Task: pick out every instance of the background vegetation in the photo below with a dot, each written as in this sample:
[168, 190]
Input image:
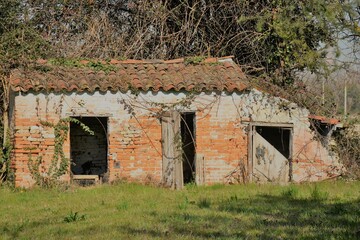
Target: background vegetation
[272, 37]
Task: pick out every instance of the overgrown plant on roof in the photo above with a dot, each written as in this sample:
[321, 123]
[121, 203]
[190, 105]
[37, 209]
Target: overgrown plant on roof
[95, 65]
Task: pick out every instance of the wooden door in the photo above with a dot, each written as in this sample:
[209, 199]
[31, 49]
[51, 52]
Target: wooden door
[269, 164]
[172, 172]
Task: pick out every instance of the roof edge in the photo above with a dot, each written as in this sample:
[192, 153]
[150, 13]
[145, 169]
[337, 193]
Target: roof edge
[114, 61]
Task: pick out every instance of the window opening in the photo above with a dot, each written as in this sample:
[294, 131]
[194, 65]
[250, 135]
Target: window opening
[278, 137]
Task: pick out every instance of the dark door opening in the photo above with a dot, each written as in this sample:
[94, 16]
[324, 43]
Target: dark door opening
[89, 152]
[187, 131]
[278, 137]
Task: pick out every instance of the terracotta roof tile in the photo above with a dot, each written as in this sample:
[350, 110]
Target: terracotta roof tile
[323, 119]
[211, 74]
[179, 60]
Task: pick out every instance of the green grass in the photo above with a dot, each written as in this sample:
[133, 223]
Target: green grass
[328, 210]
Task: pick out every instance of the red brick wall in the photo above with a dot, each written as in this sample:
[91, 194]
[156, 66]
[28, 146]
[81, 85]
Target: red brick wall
[136, 146]
[311, 160]
[134, 150]
[223, 145]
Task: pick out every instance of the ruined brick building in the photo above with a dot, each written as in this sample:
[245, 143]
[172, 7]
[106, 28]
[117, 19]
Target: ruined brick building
[171, 122]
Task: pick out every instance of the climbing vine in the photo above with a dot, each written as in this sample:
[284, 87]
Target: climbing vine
[83, 63]
[6, 173]
[59, 162]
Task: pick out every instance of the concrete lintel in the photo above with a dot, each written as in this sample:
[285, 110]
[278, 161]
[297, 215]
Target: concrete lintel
[71, 114]
[85, 177]
[271, 124]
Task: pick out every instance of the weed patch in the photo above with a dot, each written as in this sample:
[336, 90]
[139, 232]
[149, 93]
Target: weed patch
[184, 204]
[291, 192]
[15, 229]
[123, 206]
[74, 217]
[319, 195]
[204, 203]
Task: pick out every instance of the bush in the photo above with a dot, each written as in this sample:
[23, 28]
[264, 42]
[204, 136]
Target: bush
[348, 148]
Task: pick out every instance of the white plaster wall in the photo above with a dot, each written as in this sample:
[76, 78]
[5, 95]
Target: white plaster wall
[252, 106]
[239, 108]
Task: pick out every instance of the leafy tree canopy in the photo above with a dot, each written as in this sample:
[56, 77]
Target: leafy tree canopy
[275, 38]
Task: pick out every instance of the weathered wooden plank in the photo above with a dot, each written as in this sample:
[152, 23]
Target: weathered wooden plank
[269, 165]
[176, 144]
[200, 169]
[172, 164]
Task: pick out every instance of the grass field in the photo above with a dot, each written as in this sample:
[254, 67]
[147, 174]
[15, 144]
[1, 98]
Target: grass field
[328, 210]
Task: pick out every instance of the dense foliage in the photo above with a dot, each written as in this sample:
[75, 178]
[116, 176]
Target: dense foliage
[272, 37]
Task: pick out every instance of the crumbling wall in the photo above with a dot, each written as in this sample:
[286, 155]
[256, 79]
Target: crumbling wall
[134, 132]
[311, 160]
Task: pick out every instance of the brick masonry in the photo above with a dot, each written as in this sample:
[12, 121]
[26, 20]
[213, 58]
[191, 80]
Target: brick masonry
[134, 132]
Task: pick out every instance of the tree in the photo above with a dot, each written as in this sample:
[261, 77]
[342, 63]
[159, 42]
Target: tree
[272, 37]
[19, 44]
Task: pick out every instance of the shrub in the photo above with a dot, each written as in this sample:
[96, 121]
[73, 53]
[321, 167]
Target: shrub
[348, 148]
